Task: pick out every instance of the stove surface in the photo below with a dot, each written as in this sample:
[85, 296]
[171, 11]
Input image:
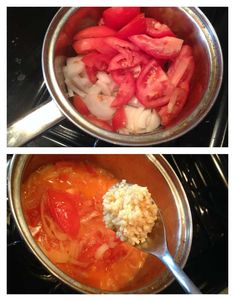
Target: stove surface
[26, 88]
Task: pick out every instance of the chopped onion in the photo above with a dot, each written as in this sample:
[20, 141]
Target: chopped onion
[89, 216]
[101, 250]
[100, 106]
[140, 120]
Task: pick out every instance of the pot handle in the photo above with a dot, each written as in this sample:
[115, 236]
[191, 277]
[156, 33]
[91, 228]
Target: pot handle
[33, 124]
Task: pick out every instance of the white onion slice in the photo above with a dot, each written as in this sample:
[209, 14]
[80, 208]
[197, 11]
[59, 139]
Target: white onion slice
[140, 120]
[101, 250]
[100, 106]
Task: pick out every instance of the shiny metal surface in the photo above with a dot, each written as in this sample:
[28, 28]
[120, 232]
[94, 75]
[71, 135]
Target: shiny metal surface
[175, 209]
[33, 124]
[156, 244]
[188, 23]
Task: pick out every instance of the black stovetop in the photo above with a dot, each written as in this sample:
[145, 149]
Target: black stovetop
[26, 28]
[204, 179]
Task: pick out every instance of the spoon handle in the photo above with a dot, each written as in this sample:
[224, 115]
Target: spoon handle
[179, 274]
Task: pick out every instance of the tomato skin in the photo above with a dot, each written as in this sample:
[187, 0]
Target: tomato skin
[80, 105]
[95, 62]
[163, 48]
[127, 59]
[153, 87]
[126, 91]
[100, 123]
[120, 45]
[119, 119]
[117, 17]
[181, 67]
[95, 32]
[177, 101]
[63, 210]
[119, 75]
[134, 27]
[156, 29]
[87, 45]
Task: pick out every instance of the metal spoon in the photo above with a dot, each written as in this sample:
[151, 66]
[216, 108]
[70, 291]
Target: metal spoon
[156, 244]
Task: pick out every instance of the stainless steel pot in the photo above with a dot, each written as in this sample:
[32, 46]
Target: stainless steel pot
[188, 23]
[163, 184]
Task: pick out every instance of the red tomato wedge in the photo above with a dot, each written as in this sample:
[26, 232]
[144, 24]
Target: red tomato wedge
[91, 72]
[153, 87]
[119, 119]
[94, 62]
[100, 123]
[119, 75]
[127, 59]
[134, 27]
[126, 91]
[177, 101]
[85, 46]
[64, 212]
[95, 32]
[181, 65]
[80, 105]
[117, 17]
[156, 29]
[120, 45]
[164, 48]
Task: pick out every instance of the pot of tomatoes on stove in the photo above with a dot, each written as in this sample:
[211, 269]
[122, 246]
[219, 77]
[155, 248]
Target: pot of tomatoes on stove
[128, 75]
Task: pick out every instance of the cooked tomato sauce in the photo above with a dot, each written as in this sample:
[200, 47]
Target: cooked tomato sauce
[62, 204]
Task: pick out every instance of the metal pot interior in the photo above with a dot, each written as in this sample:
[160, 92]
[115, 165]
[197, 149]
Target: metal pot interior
[188, 23]
[164, 187]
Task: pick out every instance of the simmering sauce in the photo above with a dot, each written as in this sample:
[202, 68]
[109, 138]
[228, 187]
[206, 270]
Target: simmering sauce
[62, 204]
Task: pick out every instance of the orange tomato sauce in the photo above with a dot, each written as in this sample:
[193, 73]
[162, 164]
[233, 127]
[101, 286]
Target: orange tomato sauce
[94, 255]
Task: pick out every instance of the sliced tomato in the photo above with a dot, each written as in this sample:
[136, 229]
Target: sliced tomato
[156, 29]
[117, 17]
[119, 119]
[80, 105]
[64, 212]
[94, 62]
[177, 101]
[98, 60]
[91, 72]
[120, 45]
[95, 32]
[119, 75]
[127, 59]
[114, 254]
[152, 85]
[100, 123]
[101, 21]
[164, 48]
[126, 91]
[87, 254]
[85, 46]
[134, 27]
[189, 72]
[180, 66]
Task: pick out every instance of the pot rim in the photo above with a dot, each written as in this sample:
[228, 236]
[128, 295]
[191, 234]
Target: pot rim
[15, 171]
[152, 138]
